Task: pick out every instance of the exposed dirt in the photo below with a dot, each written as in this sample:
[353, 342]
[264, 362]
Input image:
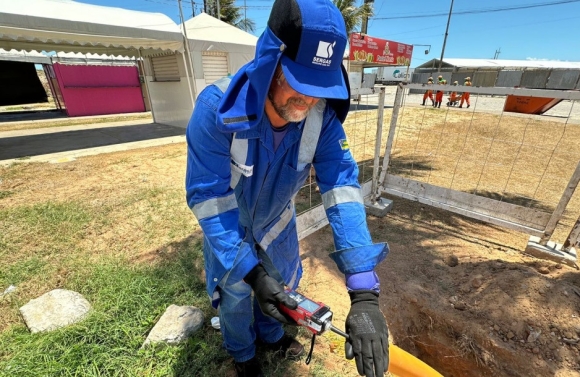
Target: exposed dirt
[457, 293]
[461, 296]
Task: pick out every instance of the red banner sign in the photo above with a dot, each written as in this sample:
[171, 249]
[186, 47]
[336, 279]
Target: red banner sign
[379, 51]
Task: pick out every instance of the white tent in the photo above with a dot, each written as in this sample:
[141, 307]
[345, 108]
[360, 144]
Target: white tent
[65, 25]
[217, 48]
[24, 56]
[68, 26]
[205, 31]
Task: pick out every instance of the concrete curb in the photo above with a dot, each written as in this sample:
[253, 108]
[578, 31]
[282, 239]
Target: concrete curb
[68, 156]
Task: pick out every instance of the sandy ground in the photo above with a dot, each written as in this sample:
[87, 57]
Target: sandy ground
[457, 293]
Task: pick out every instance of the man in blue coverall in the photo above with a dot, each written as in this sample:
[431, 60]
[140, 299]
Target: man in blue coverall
[251, 141]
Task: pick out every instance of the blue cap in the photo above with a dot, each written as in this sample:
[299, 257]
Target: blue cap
[314, 37]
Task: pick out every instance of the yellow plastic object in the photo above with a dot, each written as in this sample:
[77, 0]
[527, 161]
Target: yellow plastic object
[403, 364]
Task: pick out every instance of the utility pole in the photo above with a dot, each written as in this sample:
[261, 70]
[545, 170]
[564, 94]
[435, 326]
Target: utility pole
[445, 39]
[245, 15]
[186, 52]
[192, 8]
[497, 52]
[205, 6]
[219, 17]
[365, 20]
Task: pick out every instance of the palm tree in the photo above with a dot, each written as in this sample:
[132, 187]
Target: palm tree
[353, 14]
[231, 14]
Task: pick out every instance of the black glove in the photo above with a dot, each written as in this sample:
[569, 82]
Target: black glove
[270, 294]
[368, 339]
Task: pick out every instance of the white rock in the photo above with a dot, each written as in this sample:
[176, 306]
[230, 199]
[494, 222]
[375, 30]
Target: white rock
[175, 325]
[55, 309]
[10, 289]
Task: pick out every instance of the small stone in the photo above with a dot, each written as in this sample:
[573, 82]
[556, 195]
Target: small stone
[413, 300]
[55, 309]
[534, 334]
[496, 327]
[465, 289]
[510, 335]
[175, 325]
[543, 270]
[477, 281]
[460, 306]
[8, 290]
[536, 350]
[566, 293]
[452, 260]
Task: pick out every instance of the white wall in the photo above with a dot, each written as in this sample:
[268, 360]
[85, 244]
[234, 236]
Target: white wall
[238, 56]
[171, 101]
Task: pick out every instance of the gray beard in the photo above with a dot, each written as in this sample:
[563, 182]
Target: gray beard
[286, 113]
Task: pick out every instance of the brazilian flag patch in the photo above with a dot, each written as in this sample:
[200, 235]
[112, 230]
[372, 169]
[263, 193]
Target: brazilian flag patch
[343, 144]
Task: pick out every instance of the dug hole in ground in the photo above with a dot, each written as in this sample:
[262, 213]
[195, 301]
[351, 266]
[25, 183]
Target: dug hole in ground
[460, 295]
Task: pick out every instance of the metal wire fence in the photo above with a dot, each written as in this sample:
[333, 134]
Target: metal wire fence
[509, 167]
[360, 127]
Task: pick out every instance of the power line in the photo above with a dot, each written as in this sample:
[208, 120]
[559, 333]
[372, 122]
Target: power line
[478, 11]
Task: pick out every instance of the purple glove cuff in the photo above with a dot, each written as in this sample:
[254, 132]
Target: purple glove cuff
[367, 280]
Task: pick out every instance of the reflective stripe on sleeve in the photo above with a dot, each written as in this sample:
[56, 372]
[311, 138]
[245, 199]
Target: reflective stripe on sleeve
[345, 194]
[215, 206]
[275, 231]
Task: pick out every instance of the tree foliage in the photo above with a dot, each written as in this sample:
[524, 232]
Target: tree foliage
[231, 14]
[353, 14]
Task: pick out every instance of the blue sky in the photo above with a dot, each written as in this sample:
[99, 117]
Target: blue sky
[477, 29]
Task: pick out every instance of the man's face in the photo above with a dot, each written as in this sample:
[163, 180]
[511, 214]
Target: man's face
[288, 103]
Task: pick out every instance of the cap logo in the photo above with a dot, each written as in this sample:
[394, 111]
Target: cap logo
[324, 54]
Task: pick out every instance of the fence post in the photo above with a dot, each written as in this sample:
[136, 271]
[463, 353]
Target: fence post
[573, 238]
[566, 196]
[391, 137]
[378, 143]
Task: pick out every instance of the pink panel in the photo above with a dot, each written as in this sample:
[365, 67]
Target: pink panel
[99, 89]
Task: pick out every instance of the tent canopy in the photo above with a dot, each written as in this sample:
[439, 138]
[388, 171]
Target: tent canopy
[206, 33]
[26, 57]
[65, 25]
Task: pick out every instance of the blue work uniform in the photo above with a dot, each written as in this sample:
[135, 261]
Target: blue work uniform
[241, 190]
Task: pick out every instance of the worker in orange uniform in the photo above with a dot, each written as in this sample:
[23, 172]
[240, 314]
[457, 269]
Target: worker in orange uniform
[453, 97]
[428, 92]
[439, 94]
[465, 95]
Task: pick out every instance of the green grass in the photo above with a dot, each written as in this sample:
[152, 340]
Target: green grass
[42, 247]
[127, 302]
[42, 229]
[5, 194]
